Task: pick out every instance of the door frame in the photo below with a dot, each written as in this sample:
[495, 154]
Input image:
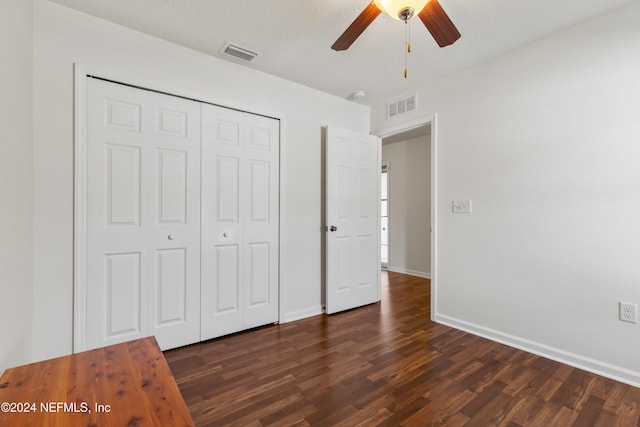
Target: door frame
[405, 127]
[385, 167]
[80, 74]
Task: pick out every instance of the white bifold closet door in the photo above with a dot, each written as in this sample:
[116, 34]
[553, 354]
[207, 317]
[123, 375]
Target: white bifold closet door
[142, 216]
[240, 220]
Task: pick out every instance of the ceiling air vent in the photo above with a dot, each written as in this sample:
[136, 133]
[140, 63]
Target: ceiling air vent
[238, 52]
[401, 106]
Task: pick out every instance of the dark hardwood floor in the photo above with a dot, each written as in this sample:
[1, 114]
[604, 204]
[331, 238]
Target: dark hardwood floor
[387, 364]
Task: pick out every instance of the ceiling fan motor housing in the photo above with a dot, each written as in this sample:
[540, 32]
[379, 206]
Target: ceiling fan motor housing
[398, 9]
[406, 13]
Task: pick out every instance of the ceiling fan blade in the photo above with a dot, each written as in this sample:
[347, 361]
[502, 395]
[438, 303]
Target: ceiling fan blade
[439, 24]
[356, 28]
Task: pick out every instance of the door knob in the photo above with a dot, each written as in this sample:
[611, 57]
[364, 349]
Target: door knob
[171, 237]
[225, 234]
[333, 228]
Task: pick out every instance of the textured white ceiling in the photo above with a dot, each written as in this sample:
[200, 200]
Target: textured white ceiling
[294, 36]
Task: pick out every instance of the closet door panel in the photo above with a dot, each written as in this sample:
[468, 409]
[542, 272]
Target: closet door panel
[173, 168]
[222, 212]
[142, 216]
[116, 275]
[261, 222]
[239, 218]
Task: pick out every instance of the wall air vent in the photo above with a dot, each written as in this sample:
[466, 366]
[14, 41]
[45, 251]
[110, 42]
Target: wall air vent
[401, 106]
[238, 52]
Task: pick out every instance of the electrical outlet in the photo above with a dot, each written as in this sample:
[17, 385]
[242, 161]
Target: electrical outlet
[628, 312]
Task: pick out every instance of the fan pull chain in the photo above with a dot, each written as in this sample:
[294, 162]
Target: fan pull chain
[407, 42]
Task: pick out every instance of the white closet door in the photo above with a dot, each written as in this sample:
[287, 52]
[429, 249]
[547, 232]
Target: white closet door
[261, 220]
[240, 153]
[223, 177]
[143, 216]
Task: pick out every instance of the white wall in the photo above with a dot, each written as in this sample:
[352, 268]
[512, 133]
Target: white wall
[63, 37]
[16, 219]
[409, 205]
[546, 142]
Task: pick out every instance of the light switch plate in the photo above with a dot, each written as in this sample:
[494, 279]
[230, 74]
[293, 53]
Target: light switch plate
[461, 206]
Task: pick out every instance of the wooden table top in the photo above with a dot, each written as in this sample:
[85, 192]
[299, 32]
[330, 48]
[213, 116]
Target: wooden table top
[126, 384]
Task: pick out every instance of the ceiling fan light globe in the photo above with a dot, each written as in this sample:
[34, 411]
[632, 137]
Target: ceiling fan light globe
[394, 7]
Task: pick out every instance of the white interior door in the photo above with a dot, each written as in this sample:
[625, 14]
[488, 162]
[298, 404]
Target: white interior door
[353, 219]
[240, 220]
[143, 216]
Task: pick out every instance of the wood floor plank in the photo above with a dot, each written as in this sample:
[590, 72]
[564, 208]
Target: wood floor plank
[387, 364]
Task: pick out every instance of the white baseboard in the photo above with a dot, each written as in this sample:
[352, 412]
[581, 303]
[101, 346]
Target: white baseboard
[301, 314]
[613, 372]
[409, 272]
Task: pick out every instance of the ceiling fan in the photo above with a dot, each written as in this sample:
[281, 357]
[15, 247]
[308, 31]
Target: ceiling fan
[430, 13]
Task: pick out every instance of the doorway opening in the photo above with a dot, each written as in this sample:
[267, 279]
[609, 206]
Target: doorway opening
[426, 126]
[407, 205]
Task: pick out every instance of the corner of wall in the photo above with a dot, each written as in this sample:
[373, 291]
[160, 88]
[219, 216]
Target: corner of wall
[16, 171]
